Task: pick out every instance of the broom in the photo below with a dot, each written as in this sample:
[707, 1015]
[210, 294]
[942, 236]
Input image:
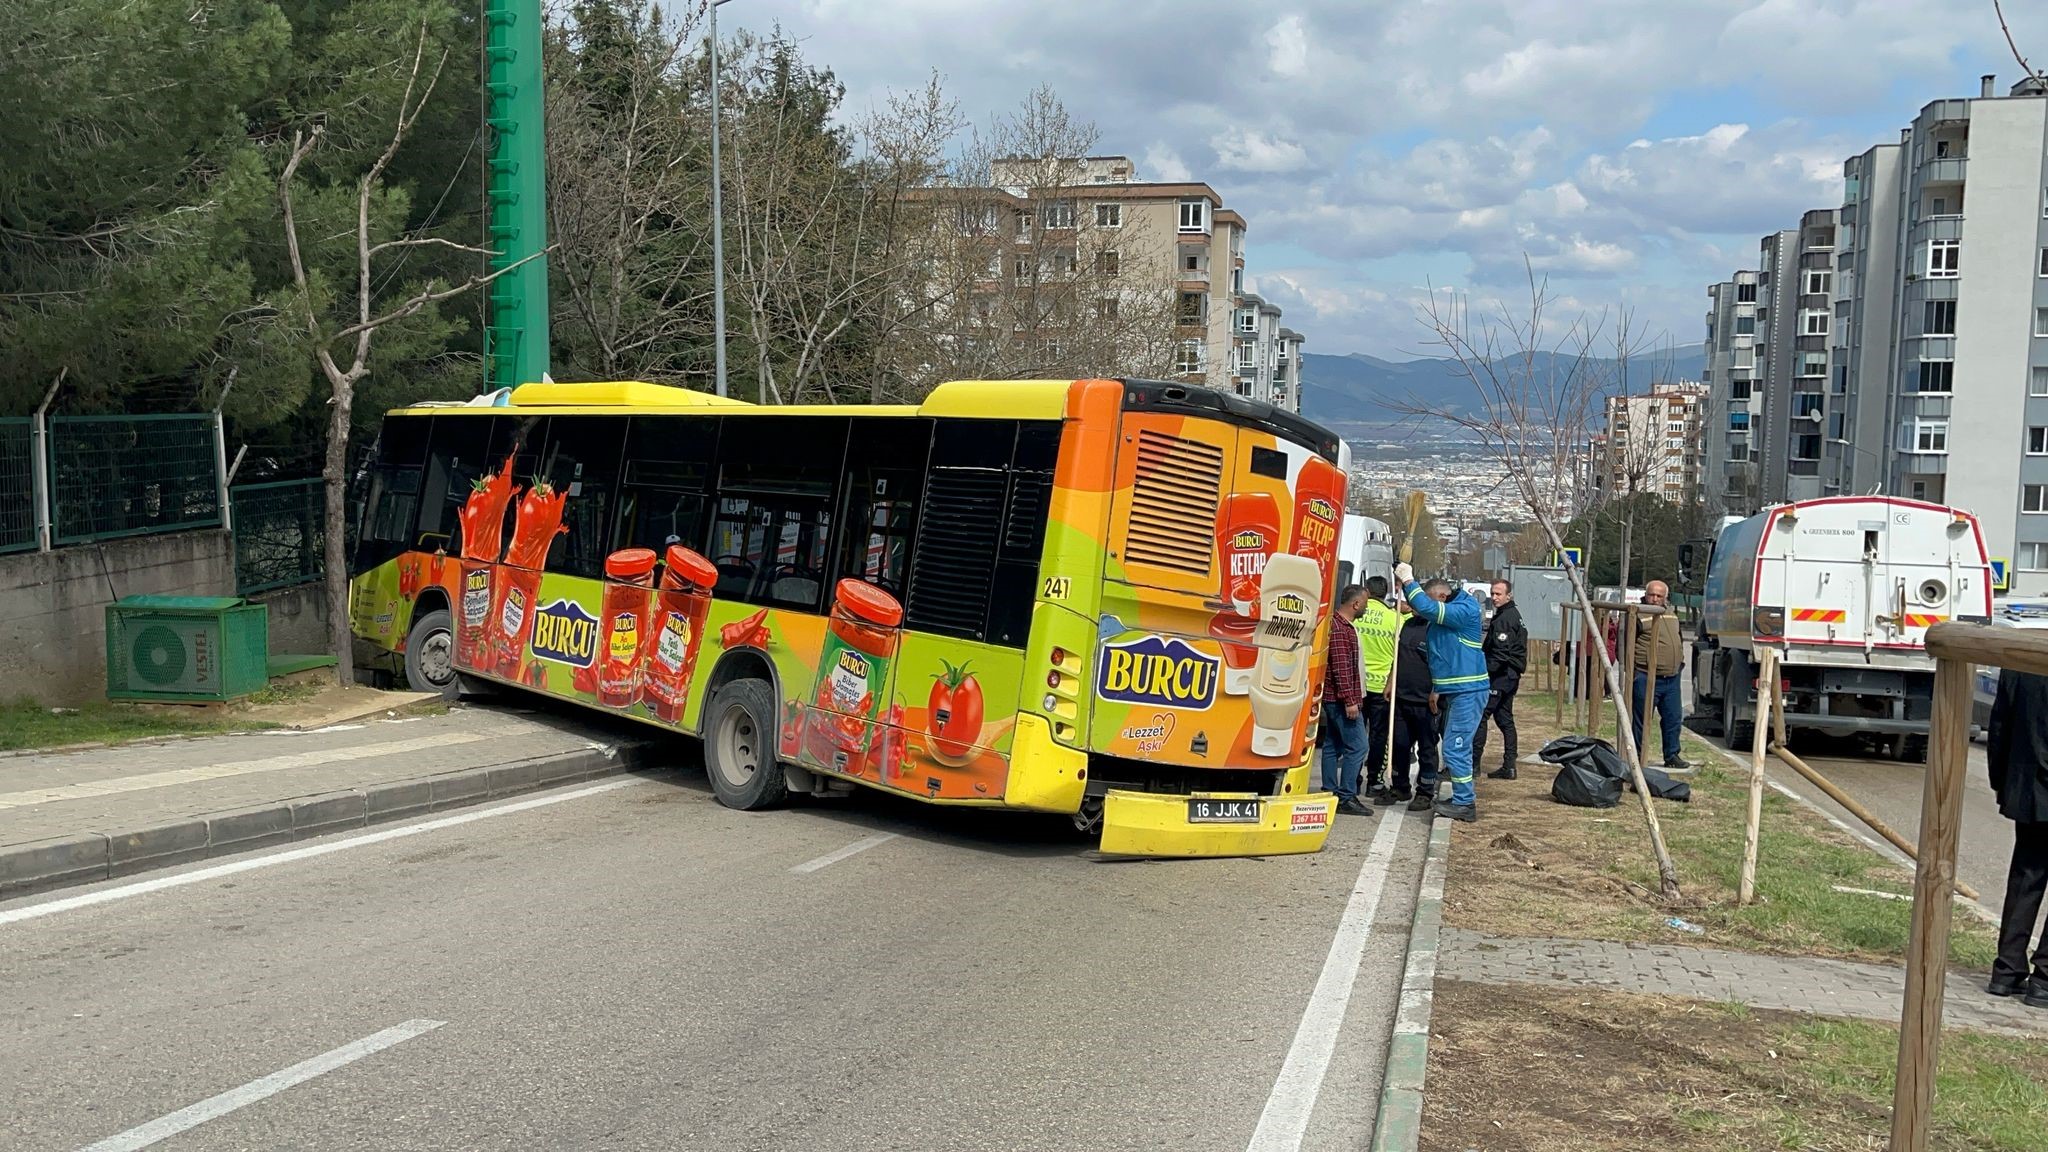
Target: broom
[1416, 506]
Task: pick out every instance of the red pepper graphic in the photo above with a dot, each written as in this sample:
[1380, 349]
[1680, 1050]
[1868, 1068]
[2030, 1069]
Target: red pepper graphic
[539, 522]
[751, 632]
[483, 514]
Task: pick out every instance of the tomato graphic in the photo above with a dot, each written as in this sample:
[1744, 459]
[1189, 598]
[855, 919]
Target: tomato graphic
[955, 707]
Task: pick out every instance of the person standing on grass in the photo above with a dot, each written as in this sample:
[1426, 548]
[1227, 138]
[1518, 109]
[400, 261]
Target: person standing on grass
[1507, 656]
[1415, 721]
[1457, 662]
[1670, 657]
[2016, 750]
[1376, 625]
[1342, 739]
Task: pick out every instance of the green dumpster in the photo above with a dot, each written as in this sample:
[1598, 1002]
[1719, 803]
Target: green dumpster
[186, 649]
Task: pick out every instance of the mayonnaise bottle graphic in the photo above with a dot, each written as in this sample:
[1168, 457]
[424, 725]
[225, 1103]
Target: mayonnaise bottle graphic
[1289, 598]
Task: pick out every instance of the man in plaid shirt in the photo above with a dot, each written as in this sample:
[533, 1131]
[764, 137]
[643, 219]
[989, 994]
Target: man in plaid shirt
[1342, 738]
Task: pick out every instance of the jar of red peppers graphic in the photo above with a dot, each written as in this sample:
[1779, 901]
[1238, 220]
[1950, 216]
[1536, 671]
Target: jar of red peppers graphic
[1247, 535]
[628, 599]
[853, 675]
[483, 524]
[681, 607]
[536, 522]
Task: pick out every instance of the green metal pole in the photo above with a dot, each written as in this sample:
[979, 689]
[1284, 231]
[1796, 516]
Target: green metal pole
[516, 328]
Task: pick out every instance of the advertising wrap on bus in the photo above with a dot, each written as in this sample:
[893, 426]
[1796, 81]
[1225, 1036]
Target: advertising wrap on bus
[1095, 597]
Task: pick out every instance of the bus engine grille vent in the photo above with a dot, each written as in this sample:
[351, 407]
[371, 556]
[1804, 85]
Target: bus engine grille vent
[1173, 504]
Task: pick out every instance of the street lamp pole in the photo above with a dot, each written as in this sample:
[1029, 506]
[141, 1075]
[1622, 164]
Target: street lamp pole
[717, 209]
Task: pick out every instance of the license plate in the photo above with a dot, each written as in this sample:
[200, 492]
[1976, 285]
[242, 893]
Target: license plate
[1223, 811]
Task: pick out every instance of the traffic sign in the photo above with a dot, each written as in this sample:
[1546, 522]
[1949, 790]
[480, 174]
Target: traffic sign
[1571, 557]
[2001, 575]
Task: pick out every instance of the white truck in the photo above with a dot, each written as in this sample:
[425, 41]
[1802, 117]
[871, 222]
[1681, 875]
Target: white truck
[1365, 548]
[1844, 589]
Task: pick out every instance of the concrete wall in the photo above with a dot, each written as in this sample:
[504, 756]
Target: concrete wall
[53, 634]
[298, 619]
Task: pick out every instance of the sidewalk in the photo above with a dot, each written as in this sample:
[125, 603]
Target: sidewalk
[1819, 987]
[78, 816]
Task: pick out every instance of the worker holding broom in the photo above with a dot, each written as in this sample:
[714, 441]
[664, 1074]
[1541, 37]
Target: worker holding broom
[1457, 662]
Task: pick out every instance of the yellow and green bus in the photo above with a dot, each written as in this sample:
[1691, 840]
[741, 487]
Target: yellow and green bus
[1096, 597]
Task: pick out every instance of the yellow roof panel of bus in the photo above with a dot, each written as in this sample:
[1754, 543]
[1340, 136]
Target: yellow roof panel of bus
[985, 399]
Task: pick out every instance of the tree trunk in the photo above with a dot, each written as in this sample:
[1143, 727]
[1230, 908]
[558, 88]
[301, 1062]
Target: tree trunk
[335, 474]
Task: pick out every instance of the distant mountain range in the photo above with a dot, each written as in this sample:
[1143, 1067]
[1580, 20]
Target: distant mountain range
[1360, 389]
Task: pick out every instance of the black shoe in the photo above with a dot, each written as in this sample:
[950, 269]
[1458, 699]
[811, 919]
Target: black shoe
[1675, 764]
[1449, 810]
[1380, 793]
[1422, 802]
[2008, 986]
[2037, 992]
[1400, 796]
[1504, 772]
[1354, 807]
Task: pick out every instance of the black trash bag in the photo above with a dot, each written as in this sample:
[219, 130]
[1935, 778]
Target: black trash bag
[1581, 786]
[1599, 757]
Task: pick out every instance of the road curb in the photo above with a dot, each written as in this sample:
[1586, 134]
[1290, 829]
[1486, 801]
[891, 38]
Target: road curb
[86, 857]
[1399, 1127]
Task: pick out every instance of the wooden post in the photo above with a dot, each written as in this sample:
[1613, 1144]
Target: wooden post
[1778, 695]
[1941, 810]
[1765, 690]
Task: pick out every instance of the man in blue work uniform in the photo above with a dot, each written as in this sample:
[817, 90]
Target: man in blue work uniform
[1457, 664]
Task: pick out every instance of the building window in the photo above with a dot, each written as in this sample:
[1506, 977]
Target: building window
[1021, 269]
[1194, 215]
[1813, 323]
[2044, 261]
[1944, 258]
[1194, 308]
[1109, 262]
[1059, 214]
[1745, 293]
[2034, 557]
[1818, 283]
[1106, 308]
[1745, 325]
[2034, 498]
[1738, 420]
[1813, 364]
[1190, 358]
[1247, 320]
[1941, 318]
[1237, 281]
[2037, 441]
[2041, 321]
[2037, 384]
[1937, 376]
[1109, 215]
[1930, 436]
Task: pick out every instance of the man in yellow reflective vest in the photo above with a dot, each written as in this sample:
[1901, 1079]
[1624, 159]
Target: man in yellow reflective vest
[1378, 625]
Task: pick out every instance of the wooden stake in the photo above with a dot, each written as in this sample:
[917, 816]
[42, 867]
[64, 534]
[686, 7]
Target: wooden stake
[1765, 689]
[1941, 811]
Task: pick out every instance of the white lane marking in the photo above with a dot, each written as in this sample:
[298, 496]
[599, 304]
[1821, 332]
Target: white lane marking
[1285, 1119]
[289, 855]
[164, 1127]
[172, 776]
[836, 855]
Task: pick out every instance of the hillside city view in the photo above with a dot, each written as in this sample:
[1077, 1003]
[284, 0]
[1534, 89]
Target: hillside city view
[801, 576]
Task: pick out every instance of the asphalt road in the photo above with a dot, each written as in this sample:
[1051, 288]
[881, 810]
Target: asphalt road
[638, 967]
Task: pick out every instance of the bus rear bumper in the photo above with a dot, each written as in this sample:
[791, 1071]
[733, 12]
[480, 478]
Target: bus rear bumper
[1156, 824]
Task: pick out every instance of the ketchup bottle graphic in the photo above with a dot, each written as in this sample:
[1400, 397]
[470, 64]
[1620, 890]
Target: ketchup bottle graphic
[1247, 536]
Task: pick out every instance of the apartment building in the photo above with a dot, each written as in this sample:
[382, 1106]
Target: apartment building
[1732, 411]
[1795, 315]
[1864, 345]
[1287, 371]
[1654, 442]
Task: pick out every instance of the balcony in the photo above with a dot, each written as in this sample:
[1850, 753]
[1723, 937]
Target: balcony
[1937, 228]
[1943, 170]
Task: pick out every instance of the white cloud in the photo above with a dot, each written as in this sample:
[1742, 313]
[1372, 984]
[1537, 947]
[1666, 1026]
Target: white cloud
[1245, 150]
[1287, 43]
[1163, 163]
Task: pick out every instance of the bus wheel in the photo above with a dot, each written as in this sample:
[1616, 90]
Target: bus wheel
[1088, 820]
[430, 654]
[739, 746]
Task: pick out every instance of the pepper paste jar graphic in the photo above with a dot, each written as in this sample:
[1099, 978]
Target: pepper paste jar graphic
[853, 675]
[1247, 535]
[535, 526]
[680, 610]
[628, 597]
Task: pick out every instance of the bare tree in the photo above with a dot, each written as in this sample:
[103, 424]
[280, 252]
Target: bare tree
[1539, 386]
[351, 340]
[2032, 73]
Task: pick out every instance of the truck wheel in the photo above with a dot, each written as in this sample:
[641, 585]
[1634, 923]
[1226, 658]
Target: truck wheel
[1906, 749]
[430, 654]
[1736, 732]
[739, 746]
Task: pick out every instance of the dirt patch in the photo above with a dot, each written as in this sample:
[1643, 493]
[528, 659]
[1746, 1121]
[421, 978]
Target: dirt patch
[1515, 1069]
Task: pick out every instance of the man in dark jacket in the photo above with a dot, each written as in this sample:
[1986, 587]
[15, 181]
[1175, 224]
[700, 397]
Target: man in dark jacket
[2017, 751]
[1416, 729]
[1507, 656]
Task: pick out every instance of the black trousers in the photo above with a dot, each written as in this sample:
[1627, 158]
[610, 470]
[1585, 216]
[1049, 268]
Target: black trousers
[1416, 733]
[1500, 709]
[1378, 729]
[2024, 884]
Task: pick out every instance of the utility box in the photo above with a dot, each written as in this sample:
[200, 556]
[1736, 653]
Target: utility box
[186, 649]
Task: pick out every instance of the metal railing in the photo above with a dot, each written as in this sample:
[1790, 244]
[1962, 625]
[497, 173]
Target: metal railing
[116, 476]
[17, 484]
[279, 536]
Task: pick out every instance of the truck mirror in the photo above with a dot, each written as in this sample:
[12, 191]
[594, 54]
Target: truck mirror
[1686, 555]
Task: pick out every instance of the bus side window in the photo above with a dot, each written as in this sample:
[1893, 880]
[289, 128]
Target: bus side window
[885, 472]
[463, 450]
[664, 489]
[390, 500]
[778, 486]
[581, 458]
[1023, 546]
[974, 568]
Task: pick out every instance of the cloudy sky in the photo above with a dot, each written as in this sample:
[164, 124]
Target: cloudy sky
[1633, 149]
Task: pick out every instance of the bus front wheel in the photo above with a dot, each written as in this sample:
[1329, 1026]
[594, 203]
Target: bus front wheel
[739, 746]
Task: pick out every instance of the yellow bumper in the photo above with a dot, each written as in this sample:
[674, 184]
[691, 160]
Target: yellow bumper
[1153, 824]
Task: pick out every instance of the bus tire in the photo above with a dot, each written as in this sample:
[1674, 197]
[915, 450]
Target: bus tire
[739, 746]
[430, 654]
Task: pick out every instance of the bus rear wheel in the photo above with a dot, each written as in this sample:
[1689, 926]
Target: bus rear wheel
[739, 746]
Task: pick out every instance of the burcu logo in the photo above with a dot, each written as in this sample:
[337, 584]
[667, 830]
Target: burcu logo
[1248, 540]
[566, 633]
[1322, 509]
[1149, 670]
[1290, 603]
